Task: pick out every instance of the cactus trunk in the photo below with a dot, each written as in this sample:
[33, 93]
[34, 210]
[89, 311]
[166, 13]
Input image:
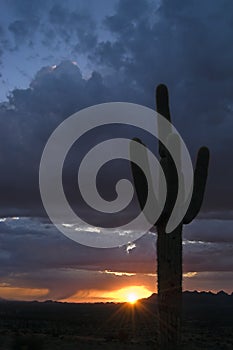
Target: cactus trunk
[169, 246]
[169, 270]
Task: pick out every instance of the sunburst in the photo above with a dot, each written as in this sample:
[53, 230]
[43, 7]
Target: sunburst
[132, 298]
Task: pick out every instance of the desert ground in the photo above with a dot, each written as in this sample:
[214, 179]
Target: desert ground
[63, 326]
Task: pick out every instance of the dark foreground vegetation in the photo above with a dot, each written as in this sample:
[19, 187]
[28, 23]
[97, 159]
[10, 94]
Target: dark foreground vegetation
[208, 324]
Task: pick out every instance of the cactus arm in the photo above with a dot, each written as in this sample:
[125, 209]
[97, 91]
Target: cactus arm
[139, 178]
[162, 101]
[142, 182]
[200, 177]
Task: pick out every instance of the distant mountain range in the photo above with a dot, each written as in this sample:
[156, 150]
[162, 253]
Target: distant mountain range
[204, 307]
[188, 296]
[198, 297]
[199, 309]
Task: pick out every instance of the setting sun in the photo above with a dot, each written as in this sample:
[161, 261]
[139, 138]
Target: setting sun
[132, 298]
[131, 294]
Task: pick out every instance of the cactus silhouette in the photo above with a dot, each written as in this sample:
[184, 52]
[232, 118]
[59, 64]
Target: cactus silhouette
[169, 246]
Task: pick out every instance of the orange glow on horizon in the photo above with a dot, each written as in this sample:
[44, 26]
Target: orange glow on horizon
[18, 293]
[128, 294]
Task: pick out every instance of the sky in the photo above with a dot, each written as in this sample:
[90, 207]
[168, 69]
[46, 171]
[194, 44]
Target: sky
[57, 58]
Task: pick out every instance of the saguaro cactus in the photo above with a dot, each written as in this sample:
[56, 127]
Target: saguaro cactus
[169, 246]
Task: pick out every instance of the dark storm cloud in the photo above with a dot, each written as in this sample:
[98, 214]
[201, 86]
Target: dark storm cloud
[24, 8]
[177, 44]
[23, 30]
[45, 244]
[48, 248]
[216, 231]
[70, 25]
[29, 118]
[53, 25]
[187, 47]
[4, 42]
[22, 21]
[35, 255]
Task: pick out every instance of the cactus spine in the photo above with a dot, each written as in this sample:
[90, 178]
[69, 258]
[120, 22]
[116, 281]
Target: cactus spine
[169, 246]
